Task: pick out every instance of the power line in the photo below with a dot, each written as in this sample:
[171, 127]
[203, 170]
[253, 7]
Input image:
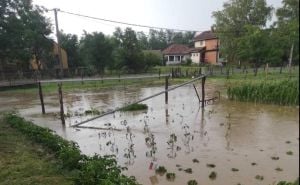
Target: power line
[128, 24]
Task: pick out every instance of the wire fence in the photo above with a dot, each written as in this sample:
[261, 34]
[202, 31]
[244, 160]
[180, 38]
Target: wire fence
[19, 77]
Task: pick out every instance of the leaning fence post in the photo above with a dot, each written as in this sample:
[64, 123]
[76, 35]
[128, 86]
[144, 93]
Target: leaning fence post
[41, 97]
[62, 115]
[203, 91]
[166, 89]
[196, 92]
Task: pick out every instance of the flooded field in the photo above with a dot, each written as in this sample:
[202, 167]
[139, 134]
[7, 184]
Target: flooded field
[241, 142]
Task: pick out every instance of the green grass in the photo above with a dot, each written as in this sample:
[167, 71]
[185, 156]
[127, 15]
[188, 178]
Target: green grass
[25, 162]
[282, 92]
[84, 169]
[135, 107]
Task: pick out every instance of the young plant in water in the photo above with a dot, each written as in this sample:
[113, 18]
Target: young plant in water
[170, 176]
[161, 170]
[171, 143]
[213, 175]
[192, 182]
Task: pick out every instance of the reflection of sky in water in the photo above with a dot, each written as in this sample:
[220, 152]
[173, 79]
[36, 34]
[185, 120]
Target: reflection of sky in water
[228, 134]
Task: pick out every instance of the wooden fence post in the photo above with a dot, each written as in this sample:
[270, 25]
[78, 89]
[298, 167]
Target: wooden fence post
[203, 91]
[62, 114]
[166, 88]
[196, 92]
[41, 97]
[159, 74]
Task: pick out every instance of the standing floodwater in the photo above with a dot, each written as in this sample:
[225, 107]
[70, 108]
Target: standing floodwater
[243, 143]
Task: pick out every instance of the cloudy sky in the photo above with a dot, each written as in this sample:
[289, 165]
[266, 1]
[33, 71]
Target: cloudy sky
[176, 14]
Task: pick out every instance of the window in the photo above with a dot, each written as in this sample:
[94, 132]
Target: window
[171, 58]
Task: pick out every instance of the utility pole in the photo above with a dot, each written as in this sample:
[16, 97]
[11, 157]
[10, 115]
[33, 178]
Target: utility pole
[58, 43]
[60, 94]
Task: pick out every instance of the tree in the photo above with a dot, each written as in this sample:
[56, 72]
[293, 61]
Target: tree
[131, 52]
[96, 50]
[231, 23]
[287, 28]
[23, 34]
[70, 44]
[254, 46]
[143, 40]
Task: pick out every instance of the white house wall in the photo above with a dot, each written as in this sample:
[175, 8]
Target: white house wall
[195, 57]
[199, 44]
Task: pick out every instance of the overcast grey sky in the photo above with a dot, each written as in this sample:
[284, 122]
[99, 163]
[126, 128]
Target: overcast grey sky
[179, 14]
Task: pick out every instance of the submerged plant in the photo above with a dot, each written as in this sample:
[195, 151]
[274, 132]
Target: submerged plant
[135, 107]
[161, 170]
[213, 175]
[259, 177]
[192, 182]
[170, 176]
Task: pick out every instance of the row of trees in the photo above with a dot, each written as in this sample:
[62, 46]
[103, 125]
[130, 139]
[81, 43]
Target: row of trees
[23, 33]
[241, 27]
[125, 49]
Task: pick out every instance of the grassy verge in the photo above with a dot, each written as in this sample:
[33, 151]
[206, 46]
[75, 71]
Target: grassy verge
[85, 170]
[25, 162]
[135, 107]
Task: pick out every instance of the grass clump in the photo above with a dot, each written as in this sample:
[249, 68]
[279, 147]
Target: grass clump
[213, 175]
[288, 183]
[85, 170]
[135, 107]
[188, 170]
[259, 177]
[92, 112]
[170, 176]
[289, 153]
[161, 170]
[192, 182]
[282, 92]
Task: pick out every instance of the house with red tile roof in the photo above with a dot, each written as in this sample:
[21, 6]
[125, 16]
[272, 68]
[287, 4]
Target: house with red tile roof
[205, 50]
[176, 54]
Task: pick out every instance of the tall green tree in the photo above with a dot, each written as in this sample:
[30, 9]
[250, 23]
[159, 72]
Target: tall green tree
[96, 50]
[231, 23]
[70, 44]
[131, 52]
[23, 32]
[287, 28]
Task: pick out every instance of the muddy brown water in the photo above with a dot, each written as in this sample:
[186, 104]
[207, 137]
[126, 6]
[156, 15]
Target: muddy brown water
[180, 135]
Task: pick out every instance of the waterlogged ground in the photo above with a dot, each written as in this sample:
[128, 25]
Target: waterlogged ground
[243, 143]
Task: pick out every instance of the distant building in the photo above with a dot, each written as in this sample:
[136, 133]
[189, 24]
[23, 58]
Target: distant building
[34, 64]
[175, 54]
[205, 50]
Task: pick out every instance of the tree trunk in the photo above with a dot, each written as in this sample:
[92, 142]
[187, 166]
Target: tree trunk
[291, 58]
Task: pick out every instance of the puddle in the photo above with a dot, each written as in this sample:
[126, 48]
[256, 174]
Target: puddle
[180, 136]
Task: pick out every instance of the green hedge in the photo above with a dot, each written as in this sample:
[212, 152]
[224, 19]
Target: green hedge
[282, 92]
[95, 170]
